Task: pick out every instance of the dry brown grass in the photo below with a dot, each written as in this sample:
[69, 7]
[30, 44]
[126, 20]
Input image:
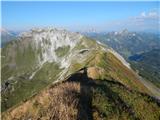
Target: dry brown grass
[65, 100]
[57, 103]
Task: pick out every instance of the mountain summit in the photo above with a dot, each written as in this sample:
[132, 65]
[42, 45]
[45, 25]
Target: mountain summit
[56, 74]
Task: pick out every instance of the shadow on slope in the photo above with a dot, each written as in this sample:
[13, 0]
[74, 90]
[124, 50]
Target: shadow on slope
[89, 107]
[80, 97]
[87, 86]
[85, 101]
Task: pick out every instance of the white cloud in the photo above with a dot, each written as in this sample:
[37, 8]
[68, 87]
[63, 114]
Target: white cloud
[150, 14]
[143, 14]
[153, 14]
[145, 21]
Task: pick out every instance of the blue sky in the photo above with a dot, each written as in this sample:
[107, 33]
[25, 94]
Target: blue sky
[80, 16]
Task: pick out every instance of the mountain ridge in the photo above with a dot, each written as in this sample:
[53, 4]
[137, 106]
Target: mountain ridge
[90, 66]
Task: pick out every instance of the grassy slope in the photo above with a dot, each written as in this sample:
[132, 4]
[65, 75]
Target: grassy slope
[17, 59]
[109, 90]
[62, 51]
[25, 88]
[114, 69]
[19, 63]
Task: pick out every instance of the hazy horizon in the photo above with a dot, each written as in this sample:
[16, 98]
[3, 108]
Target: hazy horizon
[81, 16]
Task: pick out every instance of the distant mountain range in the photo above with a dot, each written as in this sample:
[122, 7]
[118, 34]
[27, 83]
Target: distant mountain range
[57, 74]
[129, 43]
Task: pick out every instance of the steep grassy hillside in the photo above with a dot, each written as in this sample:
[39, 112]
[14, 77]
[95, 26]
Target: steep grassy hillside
[88, 94]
